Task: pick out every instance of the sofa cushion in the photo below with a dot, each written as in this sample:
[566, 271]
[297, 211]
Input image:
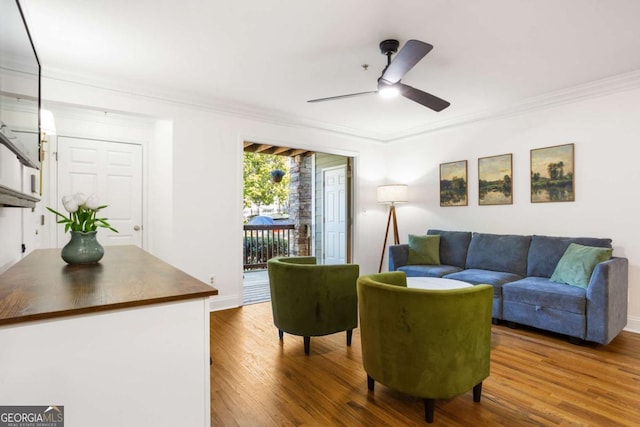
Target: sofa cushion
[577, 264]
[477, 277]
[398, 255]
[453, 246]
[424, 250]
[499, 252]
[546, 251]
[428, 270]
[543, 293]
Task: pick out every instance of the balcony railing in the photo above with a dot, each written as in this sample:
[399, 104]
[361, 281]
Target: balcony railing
[262, 242]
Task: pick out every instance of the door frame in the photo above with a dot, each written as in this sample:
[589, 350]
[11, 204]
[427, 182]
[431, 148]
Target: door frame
[353, 204]
[85, 122]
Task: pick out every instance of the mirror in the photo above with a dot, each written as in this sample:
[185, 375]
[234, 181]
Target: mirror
[19, 86]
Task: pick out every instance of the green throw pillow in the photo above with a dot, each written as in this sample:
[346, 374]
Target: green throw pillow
[577, 264]
[424, 250]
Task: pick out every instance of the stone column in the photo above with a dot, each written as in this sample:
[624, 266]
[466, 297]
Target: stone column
[300, 197]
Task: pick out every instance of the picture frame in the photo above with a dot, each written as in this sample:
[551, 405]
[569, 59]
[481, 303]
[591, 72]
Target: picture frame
[553, 174]
[495, 180]
[453, 184]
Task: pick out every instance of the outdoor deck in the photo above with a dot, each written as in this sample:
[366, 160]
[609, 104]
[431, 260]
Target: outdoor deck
[262, 242]
[256, 287]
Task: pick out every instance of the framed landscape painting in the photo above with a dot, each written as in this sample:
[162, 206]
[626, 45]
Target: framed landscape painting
[495, 180]
[453, 183]
[552, 174]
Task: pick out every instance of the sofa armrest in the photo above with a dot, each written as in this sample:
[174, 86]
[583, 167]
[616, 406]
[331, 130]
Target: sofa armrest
[607, 297]
[398, 256]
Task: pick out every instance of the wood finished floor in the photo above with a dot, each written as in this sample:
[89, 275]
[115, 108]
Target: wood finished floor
[537, 379]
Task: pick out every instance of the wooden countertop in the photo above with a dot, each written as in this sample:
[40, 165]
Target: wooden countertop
[43, 286]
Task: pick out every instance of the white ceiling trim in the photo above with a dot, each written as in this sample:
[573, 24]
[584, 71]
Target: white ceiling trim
[208, 104]
[605, 86]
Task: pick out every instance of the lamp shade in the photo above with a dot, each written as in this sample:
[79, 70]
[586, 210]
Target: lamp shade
[394, 193]
[47, 124]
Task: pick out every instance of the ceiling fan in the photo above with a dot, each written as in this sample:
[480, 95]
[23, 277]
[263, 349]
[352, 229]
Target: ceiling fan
[389, 82]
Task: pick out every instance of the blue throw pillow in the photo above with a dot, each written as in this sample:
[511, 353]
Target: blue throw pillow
[577, 264]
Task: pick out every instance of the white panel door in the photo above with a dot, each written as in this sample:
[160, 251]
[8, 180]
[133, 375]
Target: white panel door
[113, 172]
[335, 215]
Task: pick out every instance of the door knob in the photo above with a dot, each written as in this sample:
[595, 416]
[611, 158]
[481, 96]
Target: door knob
[136, 227]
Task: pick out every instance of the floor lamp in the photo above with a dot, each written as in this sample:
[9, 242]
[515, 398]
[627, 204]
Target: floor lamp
[391, 194]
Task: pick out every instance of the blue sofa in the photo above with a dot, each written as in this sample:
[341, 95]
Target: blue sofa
[519, 269]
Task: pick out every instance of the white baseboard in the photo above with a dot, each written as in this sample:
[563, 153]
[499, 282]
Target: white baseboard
[217, 303]
[633, 324]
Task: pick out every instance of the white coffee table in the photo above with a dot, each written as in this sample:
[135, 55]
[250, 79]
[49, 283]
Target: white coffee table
[435, 283]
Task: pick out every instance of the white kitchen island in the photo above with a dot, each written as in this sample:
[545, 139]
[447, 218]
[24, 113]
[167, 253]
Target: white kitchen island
[124, 342]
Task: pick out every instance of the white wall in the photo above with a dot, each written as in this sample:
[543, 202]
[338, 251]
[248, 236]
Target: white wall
[194, 180]
[159, 172]
[605, 132]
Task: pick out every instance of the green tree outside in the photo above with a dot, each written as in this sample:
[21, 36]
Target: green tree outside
[259, 189]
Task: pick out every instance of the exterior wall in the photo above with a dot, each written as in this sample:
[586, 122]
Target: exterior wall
[323, 161]
[300, 203]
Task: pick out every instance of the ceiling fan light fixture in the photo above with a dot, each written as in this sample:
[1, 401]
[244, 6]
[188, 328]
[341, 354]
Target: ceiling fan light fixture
[389, 83]
[389, 91]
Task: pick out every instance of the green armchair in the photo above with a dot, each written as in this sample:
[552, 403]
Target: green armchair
[308, 299]
[432, 344]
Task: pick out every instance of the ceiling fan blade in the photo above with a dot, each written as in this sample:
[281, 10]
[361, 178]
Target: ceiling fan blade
[351, 95]
[410, 54]
[423, 98]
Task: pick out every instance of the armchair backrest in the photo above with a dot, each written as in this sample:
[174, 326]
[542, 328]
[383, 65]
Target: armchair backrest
[309, 299]
[426, 343]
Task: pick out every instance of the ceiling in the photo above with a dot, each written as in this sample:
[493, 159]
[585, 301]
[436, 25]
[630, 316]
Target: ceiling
[254, 147]
[265, 59]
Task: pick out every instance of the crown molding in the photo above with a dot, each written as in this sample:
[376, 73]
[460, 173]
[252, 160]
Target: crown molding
[597, 88]
[100, 116]
[199, 102]
[17, 103]
[602, 87]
